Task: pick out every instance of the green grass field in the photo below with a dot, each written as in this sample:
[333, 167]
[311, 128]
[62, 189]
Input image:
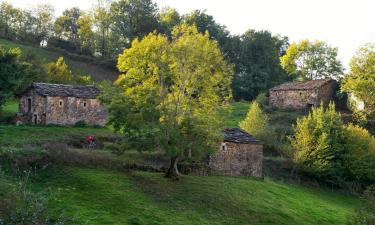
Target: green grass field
[97, 72]
[100, 196]
[94, 196]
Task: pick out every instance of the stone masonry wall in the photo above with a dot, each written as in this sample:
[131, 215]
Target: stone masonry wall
[293, 98]
[326, 93]
[70, 110]
[238, 160]
[37, 113]
[300, 99]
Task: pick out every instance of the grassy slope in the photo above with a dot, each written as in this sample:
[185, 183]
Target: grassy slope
[97, 72]
[105, 197]
[93, 196]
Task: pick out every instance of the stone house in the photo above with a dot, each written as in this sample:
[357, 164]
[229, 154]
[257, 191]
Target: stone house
[302, 94]
[240, 154]
[61, 104]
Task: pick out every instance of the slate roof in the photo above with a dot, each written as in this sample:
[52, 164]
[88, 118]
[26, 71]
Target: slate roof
[238, 135]
[63, 90]
[302, 85]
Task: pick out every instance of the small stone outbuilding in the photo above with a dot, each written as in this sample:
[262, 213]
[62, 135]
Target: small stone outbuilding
[59, 104]
[302, 94]
[240, 154]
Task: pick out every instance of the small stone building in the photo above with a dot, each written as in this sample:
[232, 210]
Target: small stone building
[61, 104]
[302, 94]
[240, 154]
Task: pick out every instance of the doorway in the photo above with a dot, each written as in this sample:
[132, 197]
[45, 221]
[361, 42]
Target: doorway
[29, 105]
[35, 119]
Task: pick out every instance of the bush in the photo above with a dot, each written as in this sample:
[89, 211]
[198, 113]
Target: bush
[256, 122]
[365, 215]
[318, 144]
[80, 123]
[20, 206]
[331, 152]
[360, 158]
[262, 99]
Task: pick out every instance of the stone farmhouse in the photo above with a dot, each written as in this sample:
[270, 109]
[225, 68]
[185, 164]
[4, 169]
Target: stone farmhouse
[61, 104]
[240, 154]
[302, 94]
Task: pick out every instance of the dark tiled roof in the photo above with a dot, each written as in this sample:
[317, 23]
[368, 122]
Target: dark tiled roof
[302, 85]
[238, 135]
[62, 90]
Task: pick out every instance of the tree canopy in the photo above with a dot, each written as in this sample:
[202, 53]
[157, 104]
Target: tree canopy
[257, 63]
[15, 75]
[360, 81]
[310, 60]
[170, 93]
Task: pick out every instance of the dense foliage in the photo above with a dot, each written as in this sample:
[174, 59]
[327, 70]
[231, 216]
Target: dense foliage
[312, 60]
[110, 27]
[60, 73]
[257, 63]
[255, 122]
[15, 75]
[170, 93]
[360, 82]
[332, 152]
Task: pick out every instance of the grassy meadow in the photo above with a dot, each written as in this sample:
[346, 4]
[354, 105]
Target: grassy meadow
[96, 196]
[90, 194]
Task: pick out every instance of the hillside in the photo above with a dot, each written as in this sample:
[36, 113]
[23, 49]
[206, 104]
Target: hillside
[97, 72]
[90, 194]
[96, 196]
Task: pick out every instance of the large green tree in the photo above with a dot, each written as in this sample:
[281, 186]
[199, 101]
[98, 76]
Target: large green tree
[360, 81]
[15, 75]
[310, 60]
[134, 18]
[169, 94]
[67, 25]
[257, 63]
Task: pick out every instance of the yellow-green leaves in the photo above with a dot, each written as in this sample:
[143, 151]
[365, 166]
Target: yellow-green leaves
[174, 88]
[311, 60]
[360, 81]
[256, 122]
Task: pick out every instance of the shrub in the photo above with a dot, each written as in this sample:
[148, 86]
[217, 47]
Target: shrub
[256, 122]
[318, 144]
[365, 215]
[332, 152]
[360, 158]
[262, 99]
[81, 123]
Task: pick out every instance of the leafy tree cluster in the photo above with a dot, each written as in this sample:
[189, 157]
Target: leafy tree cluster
[310, 60]
[360, 82]
[109, 28]
[15, 74]
[332, 152]
[169, 95]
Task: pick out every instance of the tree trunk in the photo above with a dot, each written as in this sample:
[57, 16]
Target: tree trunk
[172, 172]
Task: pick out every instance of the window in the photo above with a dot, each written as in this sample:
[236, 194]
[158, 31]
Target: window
[29, 105]
[223, 147]
[84, 104]
[61, 103]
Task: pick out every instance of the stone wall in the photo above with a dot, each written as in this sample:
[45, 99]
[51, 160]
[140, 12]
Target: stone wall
[36, 114]
[70, 110]
[300, 99]
[234, 159]
[59, 110]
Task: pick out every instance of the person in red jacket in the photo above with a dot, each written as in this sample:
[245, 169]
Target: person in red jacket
[90, 141]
